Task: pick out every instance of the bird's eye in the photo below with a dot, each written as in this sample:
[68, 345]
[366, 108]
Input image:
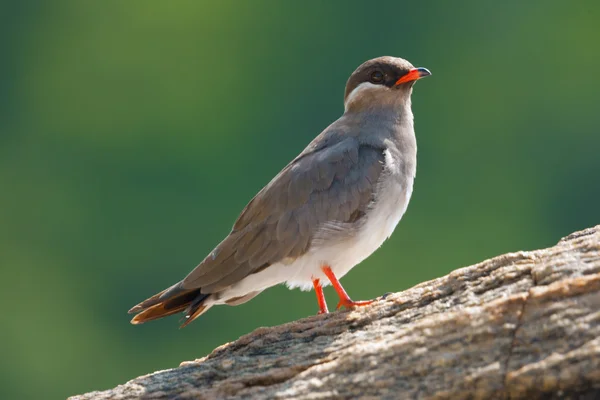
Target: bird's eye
[376, 77]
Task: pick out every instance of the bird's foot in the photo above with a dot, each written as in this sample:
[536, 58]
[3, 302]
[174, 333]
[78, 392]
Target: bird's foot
[345, 300]
[348, 303]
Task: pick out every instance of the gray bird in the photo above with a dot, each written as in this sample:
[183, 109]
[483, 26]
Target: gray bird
[325, 212]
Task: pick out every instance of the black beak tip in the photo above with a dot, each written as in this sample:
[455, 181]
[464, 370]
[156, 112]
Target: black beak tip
[423, 72]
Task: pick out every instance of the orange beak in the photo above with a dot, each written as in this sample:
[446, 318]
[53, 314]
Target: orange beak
[413, 75]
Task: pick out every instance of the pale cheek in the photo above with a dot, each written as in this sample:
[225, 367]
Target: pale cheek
[359, 93]
[366, 95]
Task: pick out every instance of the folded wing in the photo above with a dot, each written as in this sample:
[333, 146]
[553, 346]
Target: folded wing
[329, 186]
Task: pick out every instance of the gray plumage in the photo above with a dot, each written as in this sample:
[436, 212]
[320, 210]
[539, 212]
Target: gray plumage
[327, 195]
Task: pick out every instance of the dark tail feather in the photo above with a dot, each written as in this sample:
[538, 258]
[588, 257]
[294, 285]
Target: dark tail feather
[195, 309]
[193, 314]
[170, 293]
[171, 301]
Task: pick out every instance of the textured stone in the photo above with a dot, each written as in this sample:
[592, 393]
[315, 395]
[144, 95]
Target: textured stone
[522, 325]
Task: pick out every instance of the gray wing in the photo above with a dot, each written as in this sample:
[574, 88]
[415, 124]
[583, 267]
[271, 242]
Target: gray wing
[327, 186]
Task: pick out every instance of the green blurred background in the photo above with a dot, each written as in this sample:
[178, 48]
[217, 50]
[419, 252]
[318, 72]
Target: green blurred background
[132, 134]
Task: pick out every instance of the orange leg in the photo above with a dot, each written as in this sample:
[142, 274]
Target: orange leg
[345, 300]
[320, 297]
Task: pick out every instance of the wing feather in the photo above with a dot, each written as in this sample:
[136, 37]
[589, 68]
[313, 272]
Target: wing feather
[323, 187]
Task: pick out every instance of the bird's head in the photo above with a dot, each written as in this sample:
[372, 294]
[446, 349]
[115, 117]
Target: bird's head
[383, 82]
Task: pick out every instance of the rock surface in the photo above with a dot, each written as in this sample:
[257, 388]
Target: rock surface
[522, 325]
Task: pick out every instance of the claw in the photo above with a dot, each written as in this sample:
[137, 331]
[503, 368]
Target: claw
[347, 303]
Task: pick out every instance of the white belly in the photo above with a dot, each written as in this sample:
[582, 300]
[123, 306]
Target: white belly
[341, 256]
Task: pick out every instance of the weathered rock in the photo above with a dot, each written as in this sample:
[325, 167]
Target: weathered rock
[522, 325]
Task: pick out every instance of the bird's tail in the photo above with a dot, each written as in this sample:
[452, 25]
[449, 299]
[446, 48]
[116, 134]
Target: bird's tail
[172, 301]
